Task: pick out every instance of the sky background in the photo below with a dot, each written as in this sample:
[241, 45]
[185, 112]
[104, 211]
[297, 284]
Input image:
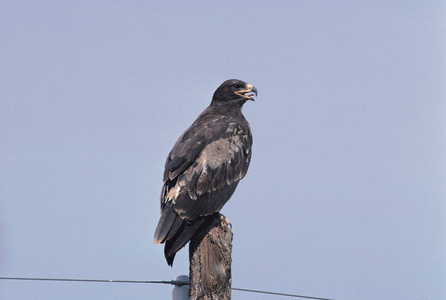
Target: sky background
[345, 197]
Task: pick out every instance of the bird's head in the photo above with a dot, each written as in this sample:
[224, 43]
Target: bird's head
[234, 89]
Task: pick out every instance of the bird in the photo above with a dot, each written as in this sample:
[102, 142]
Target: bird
[204, 167]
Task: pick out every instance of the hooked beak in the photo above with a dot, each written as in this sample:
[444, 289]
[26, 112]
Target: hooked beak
[249, 93]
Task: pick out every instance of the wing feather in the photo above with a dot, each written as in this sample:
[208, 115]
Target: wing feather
[190, 144]
[211, 180]
[205, 165]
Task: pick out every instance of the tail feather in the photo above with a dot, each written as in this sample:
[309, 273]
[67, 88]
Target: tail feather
[184, 234]
[165, 223]
[177, 224]
[176, 232]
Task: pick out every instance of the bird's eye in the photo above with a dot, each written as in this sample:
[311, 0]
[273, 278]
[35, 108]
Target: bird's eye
[237, 86]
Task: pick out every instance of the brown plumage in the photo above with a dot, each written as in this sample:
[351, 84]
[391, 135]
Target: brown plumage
[204, 167]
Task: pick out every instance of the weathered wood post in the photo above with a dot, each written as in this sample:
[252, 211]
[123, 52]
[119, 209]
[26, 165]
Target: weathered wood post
[210, 262]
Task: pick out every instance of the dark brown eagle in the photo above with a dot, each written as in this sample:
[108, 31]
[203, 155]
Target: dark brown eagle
[204, 167]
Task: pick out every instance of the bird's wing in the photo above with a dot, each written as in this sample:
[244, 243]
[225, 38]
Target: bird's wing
[190, 144]
[205, 165]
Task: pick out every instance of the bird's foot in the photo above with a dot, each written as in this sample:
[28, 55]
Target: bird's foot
[225, 220]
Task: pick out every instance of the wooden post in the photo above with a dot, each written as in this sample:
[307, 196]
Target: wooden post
[210, 262]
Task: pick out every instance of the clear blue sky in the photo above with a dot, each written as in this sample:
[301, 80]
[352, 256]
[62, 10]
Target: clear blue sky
[345, 196]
